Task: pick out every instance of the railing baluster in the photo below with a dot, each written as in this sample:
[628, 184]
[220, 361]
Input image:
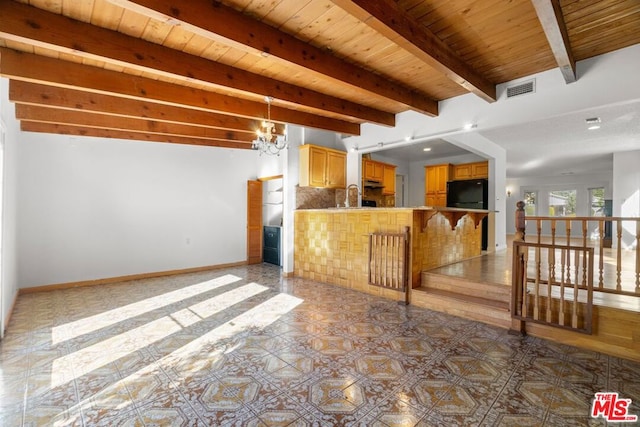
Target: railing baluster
[385, 255]
[574, 309]
[395, 259]
[563, 254]
[539, 228]
[552, 267]
[536, 296]
[568, 230]
[601, 256]
[553, 232]
[619, 261]
[525, 280]
[585, 225]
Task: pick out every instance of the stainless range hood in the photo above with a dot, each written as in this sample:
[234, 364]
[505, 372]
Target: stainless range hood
[372, 184]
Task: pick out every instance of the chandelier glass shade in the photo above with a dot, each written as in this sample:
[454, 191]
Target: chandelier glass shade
[267, 140]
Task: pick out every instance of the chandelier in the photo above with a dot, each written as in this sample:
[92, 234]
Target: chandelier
[267, 140]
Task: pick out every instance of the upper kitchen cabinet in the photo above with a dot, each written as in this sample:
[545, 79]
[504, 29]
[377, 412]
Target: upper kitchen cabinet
[380, 175]
[436, 177]
[322, 167]
[389, 180]
[373, 171]
[471, 170]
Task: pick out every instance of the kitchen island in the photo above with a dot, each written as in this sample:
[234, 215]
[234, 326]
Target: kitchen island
[332, 245]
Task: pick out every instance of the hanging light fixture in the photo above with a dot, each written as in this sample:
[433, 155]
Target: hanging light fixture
[267, 140]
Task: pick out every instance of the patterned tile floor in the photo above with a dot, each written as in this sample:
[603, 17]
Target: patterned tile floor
[242, 346]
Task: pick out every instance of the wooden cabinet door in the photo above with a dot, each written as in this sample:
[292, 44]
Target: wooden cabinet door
[254, 222]
[442, 178]
[389, 180]
[373, 171]
[431, 180]
[440, 200]
[471, 170]
[436, 178]
[317, 167]
[367, 170]
[480, 170]
[336, 170]
[463, 171]
[378, 171]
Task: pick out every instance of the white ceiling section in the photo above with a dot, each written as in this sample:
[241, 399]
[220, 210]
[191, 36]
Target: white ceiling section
[544, 133]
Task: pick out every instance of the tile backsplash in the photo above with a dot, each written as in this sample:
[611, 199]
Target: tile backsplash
[323, 198]
[315, 198]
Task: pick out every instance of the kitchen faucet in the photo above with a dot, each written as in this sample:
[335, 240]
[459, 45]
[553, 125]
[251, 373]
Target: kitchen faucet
[346, 200]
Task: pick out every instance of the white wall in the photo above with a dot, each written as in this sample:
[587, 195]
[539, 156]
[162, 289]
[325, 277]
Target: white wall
[296, 135]
[543, 185]
[626, 192]
[8, 266]
[323, 138]
[95, 208]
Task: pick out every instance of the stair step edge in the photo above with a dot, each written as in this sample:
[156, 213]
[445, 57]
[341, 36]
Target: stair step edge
[496, 304]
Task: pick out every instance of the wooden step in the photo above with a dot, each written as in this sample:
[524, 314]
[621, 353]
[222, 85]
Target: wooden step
[461, 285]
[470, 307]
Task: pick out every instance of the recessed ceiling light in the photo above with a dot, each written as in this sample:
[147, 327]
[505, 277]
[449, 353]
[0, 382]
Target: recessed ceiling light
[426, 149]
[407, 138]
[592, 120]
[594, 127]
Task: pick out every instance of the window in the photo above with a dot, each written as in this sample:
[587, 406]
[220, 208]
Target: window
[596, 202]
[562, 203]
[530, 198]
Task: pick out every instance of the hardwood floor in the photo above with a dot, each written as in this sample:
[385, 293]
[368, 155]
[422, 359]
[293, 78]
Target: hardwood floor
[496, 268]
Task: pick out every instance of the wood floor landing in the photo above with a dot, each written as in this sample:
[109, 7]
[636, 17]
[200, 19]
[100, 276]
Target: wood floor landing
[480, 289]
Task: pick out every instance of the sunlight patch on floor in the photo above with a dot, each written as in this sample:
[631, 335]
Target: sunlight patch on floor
[90, 324]
[81, 362]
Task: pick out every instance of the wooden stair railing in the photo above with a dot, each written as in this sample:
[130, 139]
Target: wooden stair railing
[389, 261]
[541, 283]
[538, 296]
[617, 273]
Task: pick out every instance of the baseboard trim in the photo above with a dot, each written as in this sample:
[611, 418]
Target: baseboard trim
[7, 319]
[108, 280]
[288, 274]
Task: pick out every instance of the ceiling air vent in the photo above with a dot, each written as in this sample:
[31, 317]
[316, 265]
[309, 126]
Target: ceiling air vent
[521, 89]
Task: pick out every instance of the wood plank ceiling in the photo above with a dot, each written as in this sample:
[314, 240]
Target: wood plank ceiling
[197, 72]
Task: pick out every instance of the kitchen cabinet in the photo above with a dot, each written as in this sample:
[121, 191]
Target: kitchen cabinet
[322, 167]
[389, 180]
[471, 170]
[436, 177]
[373, 171]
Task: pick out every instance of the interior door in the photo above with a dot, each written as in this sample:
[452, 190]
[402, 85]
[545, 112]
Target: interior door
[254, 222]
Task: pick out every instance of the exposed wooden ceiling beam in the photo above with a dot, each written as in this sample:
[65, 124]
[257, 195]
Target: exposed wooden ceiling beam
[41, 114]
[70, 99]
[216, 21]
[40, 69]
[28, 24]
[386, 17]
[552, 20]
[135, 136]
